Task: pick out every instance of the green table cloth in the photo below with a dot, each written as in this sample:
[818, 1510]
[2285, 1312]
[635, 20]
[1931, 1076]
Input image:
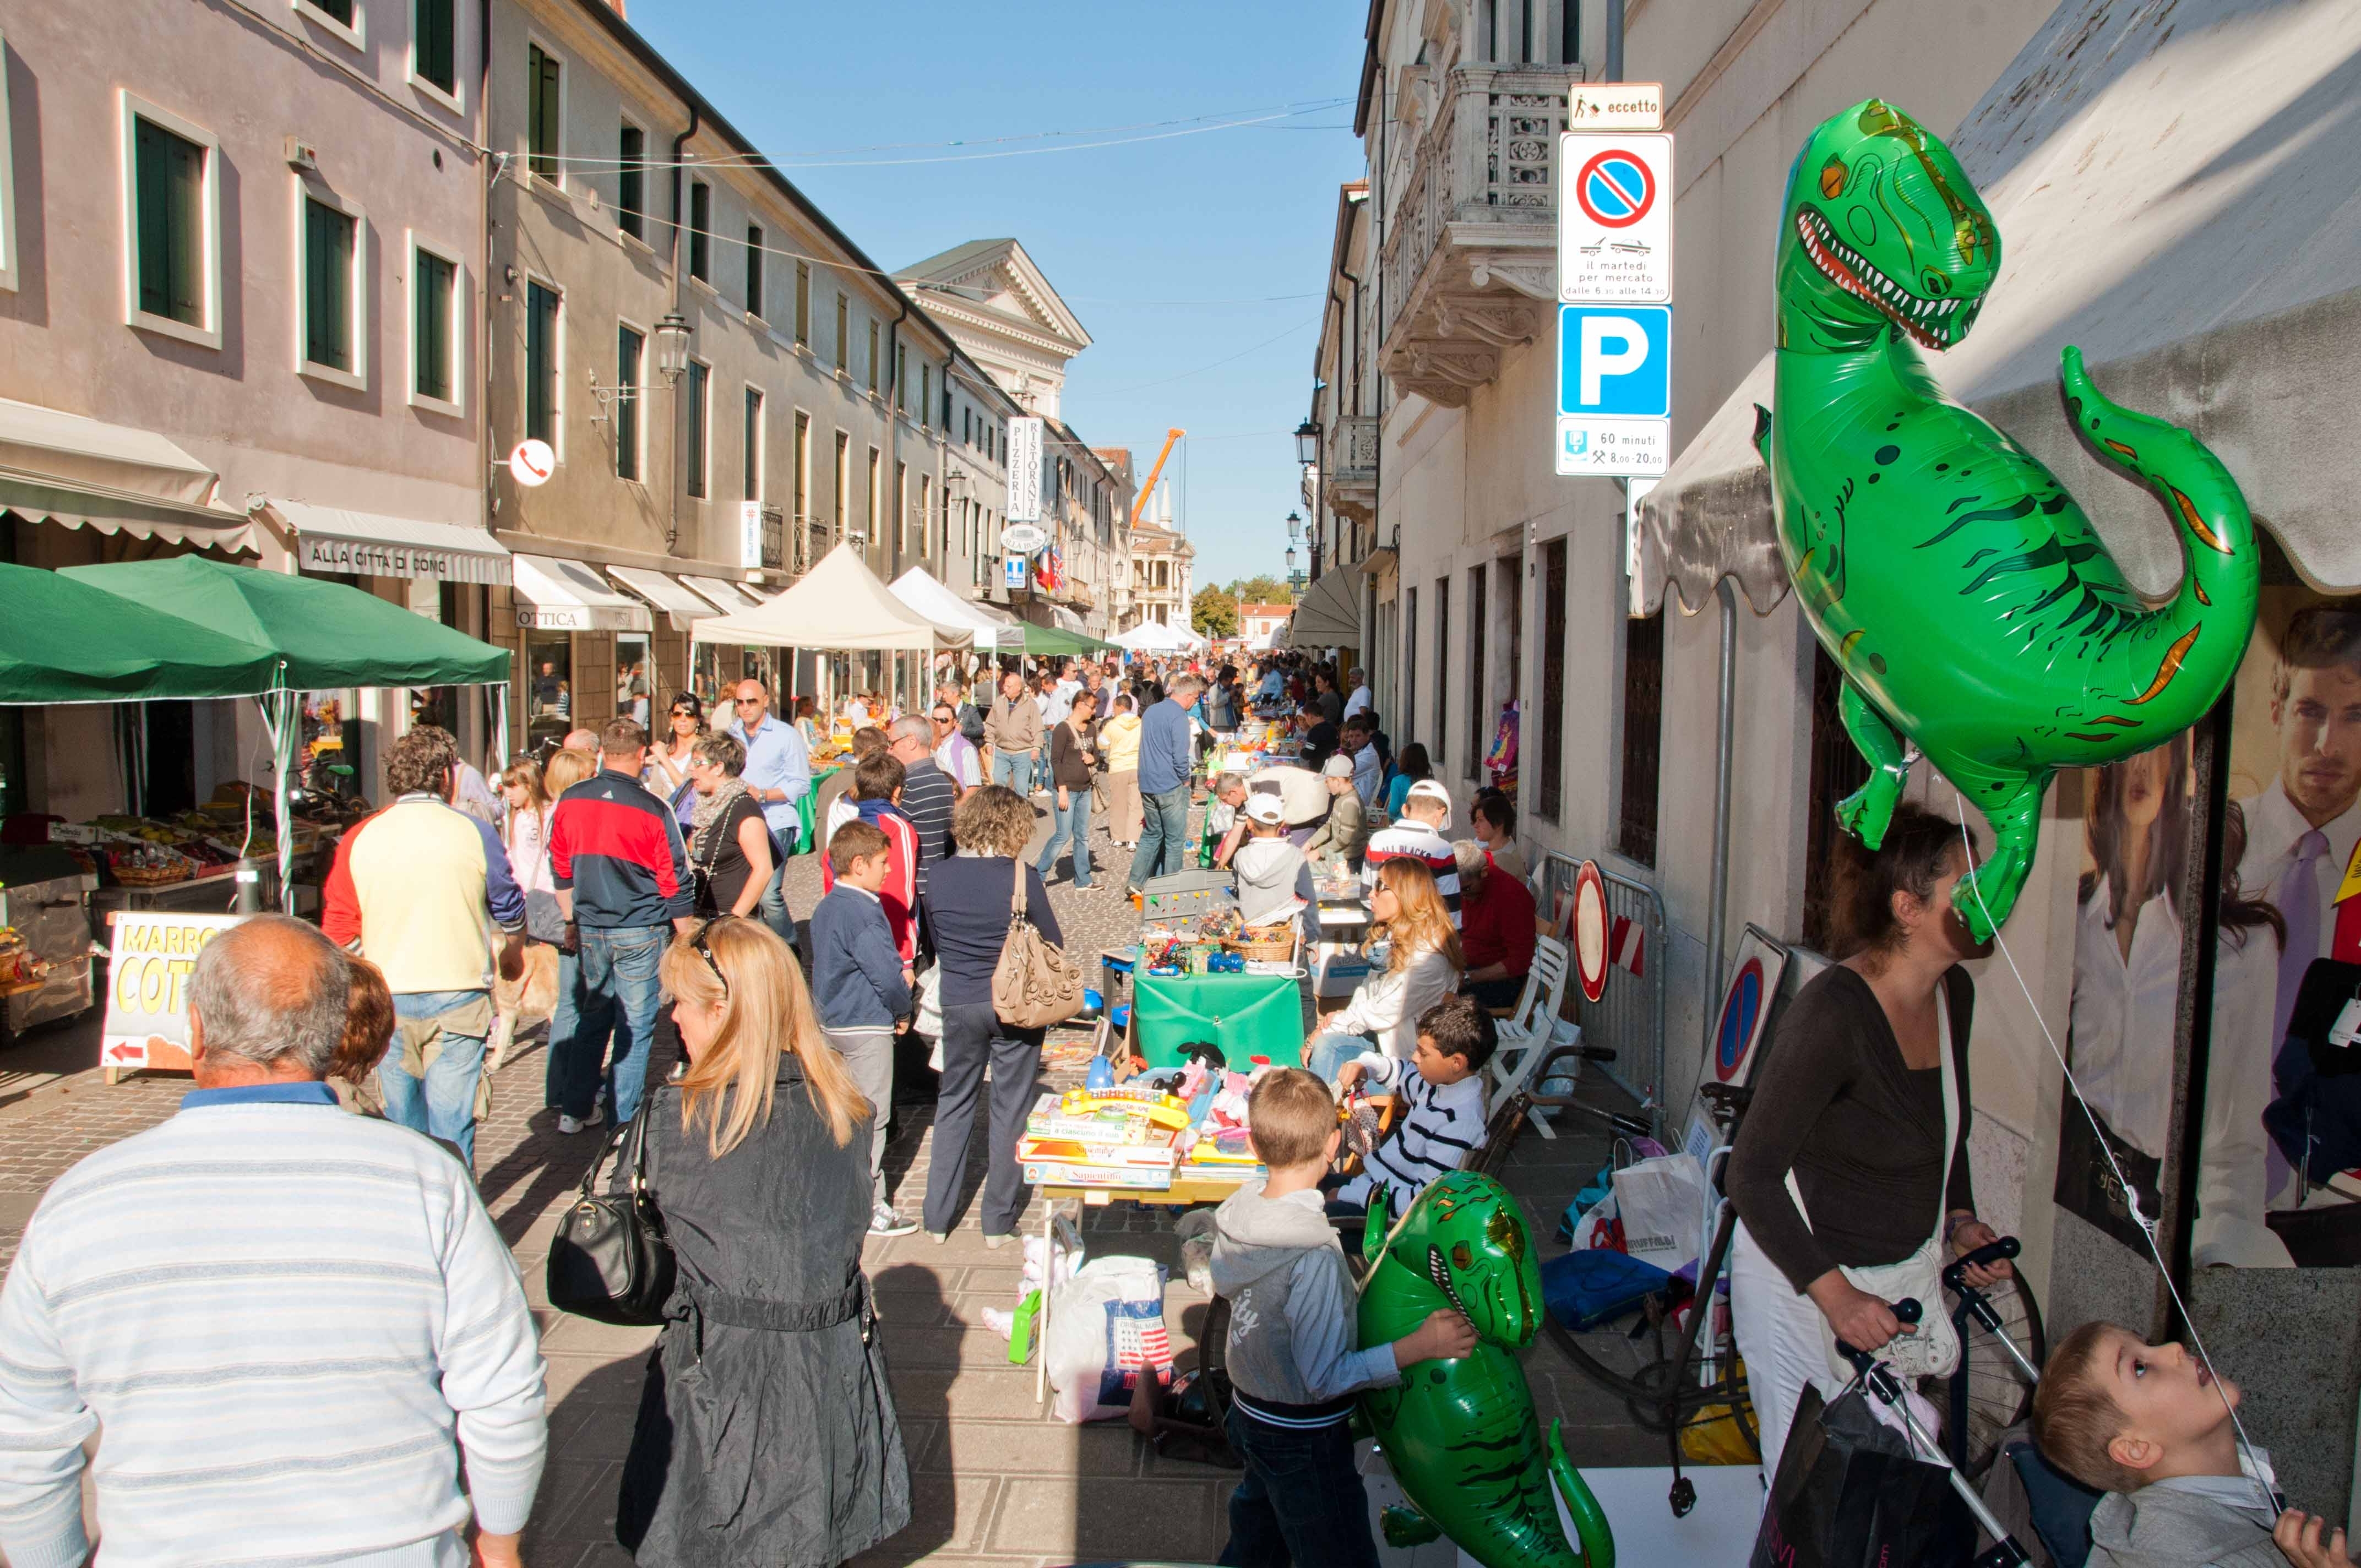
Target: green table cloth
[805, 817]
[1245, 1014]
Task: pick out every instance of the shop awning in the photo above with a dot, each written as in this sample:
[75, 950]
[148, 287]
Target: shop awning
[372, 544]
[684, 607]
[568, 595]
[839, 604]
[66, 640]
[1329, 613]
[86, 473]
[725, 596]
[2177, 193]
[325, 635]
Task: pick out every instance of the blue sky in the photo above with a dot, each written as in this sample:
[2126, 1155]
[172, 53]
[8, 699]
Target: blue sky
[1232, 215]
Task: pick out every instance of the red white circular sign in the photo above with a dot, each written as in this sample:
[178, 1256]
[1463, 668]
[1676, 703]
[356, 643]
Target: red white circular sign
[1590, 930]
[1615, 189]
[531, 461]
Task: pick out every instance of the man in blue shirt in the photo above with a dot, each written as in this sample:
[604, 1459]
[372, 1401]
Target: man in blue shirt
[1165, 764]
[778, 775]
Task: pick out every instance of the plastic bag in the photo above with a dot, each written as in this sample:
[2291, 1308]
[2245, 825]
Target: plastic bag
[1599, 1227]
[1106, 1329]
[1662, 1202]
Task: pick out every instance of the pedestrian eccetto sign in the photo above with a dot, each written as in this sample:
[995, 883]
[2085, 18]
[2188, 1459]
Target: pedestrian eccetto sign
[1615, 224]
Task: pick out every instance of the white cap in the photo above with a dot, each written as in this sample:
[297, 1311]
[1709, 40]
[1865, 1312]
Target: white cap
[1266, 808]
[1339, 766]
[1428, 789]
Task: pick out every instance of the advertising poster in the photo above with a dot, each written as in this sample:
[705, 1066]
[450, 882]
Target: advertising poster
[149, 959]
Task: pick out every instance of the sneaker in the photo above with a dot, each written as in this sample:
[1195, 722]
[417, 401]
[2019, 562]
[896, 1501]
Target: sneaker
[569, 1125]
[884, 1221]
[938, 1237]
[597, 1117]
[996, 1242]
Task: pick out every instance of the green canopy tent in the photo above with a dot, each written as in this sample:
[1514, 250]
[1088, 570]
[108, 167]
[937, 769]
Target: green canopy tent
[64, 640]
[320, 636]
[1052, 640]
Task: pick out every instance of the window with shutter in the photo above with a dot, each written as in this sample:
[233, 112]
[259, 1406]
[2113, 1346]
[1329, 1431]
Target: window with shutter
[541, 363]
[700, 241]
[631, 181]
[700, 385]
[435, 44]
[753, 270]
[435, 283]
[169, 199]
[328, 259]
[631, 349]
[544, 103]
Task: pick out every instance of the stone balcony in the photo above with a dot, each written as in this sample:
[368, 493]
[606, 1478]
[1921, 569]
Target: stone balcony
[1352, 452]
[1470, 259]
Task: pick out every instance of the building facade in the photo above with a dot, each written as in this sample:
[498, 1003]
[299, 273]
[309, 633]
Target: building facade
[248, 322]
[1162, 563]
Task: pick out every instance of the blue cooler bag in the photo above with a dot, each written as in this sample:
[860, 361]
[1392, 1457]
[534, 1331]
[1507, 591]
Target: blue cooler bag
[1585, 1290]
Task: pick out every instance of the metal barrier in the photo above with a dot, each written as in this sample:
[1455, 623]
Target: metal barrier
[1630, 1017]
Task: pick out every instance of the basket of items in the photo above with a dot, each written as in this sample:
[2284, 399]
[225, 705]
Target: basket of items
[1267, 944]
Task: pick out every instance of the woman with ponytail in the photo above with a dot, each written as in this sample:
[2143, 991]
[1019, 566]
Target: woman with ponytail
[758, 1161]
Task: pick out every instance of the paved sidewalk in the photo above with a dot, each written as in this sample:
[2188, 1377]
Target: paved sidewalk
[995, 1479]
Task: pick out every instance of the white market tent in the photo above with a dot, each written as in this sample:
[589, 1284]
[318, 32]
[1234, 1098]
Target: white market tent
[926, 594]
[1153, 637]
[840, 605]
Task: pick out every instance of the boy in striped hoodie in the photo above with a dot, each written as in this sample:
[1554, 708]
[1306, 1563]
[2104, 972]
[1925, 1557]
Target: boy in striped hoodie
[1442, 1090]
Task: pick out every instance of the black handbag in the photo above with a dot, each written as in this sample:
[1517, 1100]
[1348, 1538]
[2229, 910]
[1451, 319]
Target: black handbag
[1849, 1493]
[609, 1260]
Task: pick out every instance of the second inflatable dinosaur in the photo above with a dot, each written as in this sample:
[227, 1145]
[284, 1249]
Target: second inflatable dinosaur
[1957, 586]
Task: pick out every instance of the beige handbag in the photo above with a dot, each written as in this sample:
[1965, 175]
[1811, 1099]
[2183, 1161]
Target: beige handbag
[1035, 984]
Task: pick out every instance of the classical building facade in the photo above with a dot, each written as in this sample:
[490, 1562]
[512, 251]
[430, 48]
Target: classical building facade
[240, 312]
[1162, 563]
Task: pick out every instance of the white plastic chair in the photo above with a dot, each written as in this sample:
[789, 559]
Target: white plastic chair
[1525, 1035]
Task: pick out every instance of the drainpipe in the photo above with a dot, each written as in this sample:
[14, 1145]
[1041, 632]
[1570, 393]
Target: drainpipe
[1726, 706]
[672, 525]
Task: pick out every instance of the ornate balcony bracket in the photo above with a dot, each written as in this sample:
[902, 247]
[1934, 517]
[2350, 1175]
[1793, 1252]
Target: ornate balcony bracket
[1353, 472]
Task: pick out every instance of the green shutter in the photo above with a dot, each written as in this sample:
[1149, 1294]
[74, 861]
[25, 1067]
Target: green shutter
[700, 219]
[327, 286]
[541, 363]
[430, 325]
[754, 445]
[541, 127]
[168, 202]
[437, 43]
[628, 347]
[753, 270]
[630, 199]
[698, 376]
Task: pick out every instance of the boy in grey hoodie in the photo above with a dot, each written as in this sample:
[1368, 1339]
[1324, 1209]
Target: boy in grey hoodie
[1291, 1357]
[2152, 1426]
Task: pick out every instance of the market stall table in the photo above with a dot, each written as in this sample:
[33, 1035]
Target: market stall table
[1248, 1015]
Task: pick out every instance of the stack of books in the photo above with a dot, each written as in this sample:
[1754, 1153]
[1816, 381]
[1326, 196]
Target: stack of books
[1117, 1146]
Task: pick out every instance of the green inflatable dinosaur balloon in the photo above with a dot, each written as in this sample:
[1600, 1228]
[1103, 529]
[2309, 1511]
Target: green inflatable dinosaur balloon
[1461, 1435]
[1948, 573]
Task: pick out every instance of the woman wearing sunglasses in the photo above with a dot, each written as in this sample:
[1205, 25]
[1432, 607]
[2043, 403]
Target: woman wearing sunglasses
[670, 756]
[766, 1433]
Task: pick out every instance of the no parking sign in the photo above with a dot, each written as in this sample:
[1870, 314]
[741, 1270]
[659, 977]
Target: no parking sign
[1615, 226]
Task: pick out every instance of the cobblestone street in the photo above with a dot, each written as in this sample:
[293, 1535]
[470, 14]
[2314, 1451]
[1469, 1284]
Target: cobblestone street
[995, 1479]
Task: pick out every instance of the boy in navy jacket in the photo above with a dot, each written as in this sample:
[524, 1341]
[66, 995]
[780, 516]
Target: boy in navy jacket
[863, 990]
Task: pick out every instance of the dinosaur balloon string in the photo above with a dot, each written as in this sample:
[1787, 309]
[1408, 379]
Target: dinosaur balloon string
[2146, 1225]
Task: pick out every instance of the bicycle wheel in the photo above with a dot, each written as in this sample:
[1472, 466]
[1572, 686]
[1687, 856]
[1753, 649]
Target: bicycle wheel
[1999, 1396]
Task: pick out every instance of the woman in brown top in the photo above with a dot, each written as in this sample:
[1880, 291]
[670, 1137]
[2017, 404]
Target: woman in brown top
[1849, 1173]
[1073, 754]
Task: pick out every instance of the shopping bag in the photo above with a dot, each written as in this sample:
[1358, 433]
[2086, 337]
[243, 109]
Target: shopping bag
[1661, 1203]
[1848, 1493]
[1107, 1332]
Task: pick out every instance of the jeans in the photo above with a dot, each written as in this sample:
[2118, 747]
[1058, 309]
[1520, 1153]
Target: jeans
[1300, 1500]
[773, 910]
[442, 1105]
[1163, 834]
[1013, 769]
[973, 1037]
[1069, 823]
[614, 993]
[1327, 1055]
[869, 1057]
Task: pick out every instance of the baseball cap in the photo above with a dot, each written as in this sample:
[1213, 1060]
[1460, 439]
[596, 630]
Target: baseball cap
[1427, 789]
[1338, 767]
[1266, 808]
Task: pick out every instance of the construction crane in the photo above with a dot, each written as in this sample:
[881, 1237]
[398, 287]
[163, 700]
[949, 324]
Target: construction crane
[1139, 507]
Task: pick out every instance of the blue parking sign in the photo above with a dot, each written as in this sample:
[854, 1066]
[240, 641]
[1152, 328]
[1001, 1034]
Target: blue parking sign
[1615, 360]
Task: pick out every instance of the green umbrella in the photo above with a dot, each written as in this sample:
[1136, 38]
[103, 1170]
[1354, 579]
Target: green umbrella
[331, 636]
[64, 641]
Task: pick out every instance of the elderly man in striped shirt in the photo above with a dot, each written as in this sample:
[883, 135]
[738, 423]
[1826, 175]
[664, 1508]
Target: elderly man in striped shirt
[295, 1331]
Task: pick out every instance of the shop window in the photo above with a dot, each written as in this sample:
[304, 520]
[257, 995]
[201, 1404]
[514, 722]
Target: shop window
[549, 690]
[435, 45]
[331, 253]
[631, 181]
[433, 329]
[1643, 707]
[544, 113]
[1550, 798]
[700, 379]
[634, 677]
[541, 363]
[700, 224]
[1479, 702]
[754, 269]
[630, 351]
[1838, 770]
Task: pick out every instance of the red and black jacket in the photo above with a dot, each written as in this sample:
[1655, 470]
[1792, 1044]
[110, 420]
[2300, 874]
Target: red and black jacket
[617, 848]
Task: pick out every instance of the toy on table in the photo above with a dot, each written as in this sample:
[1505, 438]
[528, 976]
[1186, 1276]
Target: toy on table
[1461, 1435]
[1159, 1108]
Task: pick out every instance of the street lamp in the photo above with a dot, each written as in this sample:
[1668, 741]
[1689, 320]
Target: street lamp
[1295, 526]
[672, 346]
[1307, 441]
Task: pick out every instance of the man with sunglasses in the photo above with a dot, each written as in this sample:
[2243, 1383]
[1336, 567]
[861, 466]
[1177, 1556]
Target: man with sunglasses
[955, 754]
[778, 775]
